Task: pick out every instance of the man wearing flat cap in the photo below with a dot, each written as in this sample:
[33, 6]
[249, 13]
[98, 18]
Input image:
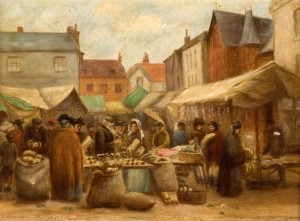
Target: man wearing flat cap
[105, 136]
[66, 162]
[161, 138]
[121, 134]
[198, 134]
[36, 135]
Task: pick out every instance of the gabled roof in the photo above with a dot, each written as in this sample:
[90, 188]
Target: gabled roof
[34, 41]
[102, 68]
[44, 98]
[154, 72]
[231, 26]
[250, 34]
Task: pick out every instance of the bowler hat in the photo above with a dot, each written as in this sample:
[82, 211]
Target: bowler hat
[236, 125]
[120, 123]
[79, 120]
[198, 120]
[18, 121]
[65, 117]
[158, 123]
[37, 120]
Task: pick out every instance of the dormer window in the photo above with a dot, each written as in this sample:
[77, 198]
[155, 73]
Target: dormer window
[60, 64]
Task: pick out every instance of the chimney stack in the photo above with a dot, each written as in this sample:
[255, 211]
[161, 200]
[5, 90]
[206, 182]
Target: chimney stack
[187, 38]
[74, 32]
[19, 29]
[120, 58]
[146, 58]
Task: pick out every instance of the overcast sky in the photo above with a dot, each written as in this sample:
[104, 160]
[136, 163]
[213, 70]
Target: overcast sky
[131, 27]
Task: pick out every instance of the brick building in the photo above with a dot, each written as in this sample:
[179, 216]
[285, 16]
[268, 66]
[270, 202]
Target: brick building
[103, 77]
[235, 44]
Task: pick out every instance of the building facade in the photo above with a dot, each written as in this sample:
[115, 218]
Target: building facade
[235, 42]
[150, 76]
[103, 77]
[194, 60]
[37, 60]
[286, 15]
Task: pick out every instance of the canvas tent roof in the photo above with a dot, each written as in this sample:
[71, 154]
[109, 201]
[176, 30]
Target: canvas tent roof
[115, 108]
[94, 103]
[148, 100]
[14, 101]
[166, 99]
[249, 90]
[135, 97]
[44, 98]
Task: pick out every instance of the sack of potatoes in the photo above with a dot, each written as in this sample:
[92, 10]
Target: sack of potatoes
[31, 158]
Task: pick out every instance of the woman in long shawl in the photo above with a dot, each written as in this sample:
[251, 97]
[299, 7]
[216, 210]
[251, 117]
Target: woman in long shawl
[232, 157]
[66, 162]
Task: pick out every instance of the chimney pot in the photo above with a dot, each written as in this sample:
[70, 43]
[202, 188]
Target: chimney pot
[120, 58]
[187, 38]
[20, 29]
[146, 58]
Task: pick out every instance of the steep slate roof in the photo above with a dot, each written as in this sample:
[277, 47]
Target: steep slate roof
[231, 26]
[250, 34]
[102, 68]
[33, 41]
[154, 72]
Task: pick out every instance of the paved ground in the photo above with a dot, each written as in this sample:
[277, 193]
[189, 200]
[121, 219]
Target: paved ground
[267, 203]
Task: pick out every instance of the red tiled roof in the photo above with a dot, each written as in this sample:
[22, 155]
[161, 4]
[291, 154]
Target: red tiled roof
[156, 71]
[102, 68]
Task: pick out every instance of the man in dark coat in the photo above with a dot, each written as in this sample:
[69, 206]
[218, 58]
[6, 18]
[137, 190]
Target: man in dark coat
[18, 134]
[180, 137]
[232, 157]
[66, 162]
[161, 138]
[36, 133]
[198, 134]
[104, 138]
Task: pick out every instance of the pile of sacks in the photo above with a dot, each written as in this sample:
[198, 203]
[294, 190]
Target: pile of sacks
[31, 158]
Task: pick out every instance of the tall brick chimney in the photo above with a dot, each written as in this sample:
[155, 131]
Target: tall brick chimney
[187, 38]
[19, 29]
[120, 58]
[146, 58]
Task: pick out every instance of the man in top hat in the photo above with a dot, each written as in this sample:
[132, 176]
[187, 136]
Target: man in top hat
[17, 134]
[36, 134]
[66, 162]
[198, 134]
[180, 136]
[105, 136]
[161, 138]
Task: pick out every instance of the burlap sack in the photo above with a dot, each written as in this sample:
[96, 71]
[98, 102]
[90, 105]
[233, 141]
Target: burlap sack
[165, 177]
[106, 191]
[32, 181]
[138, 201]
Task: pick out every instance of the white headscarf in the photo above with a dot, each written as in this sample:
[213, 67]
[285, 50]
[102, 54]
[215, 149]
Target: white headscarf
[139, 124]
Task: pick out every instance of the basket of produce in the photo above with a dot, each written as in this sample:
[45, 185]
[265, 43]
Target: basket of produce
[191, 196]
[190, 156]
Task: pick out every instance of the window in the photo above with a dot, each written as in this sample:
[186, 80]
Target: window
[187, 62]
[297, 22]
[140, 81]
[118, 88]
[14, 64]
[104, 88]
[90, 88]
[88, 71]
[60, 64]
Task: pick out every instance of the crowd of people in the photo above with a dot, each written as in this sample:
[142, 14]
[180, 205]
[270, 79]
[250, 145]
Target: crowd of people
[65, 143]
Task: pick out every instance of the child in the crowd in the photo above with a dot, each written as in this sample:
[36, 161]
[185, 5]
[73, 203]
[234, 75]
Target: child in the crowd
[9, 154]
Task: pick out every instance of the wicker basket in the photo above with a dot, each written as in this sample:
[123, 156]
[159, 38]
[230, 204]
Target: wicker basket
[190, 157]
[193, 197]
